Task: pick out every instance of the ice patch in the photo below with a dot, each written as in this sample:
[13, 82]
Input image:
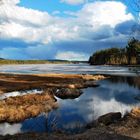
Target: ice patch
[6, 128]
[20, 93]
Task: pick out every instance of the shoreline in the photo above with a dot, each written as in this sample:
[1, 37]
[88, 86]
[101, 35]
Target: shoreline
[31, 105]
[115, 65]
[125, 128]
[18, 108]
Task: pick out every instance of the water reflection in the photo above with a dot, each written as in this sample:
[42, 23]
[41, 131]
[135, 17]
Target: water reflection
[132, 81]
[113, 95]
[37, 124]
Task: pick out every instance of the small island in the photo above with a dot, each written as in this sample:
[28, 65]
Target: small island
[130, 55]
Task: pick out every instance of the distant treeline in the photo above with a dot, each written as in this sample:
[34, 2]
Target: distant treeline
[6, 61]
[9, 61]
[130, 55]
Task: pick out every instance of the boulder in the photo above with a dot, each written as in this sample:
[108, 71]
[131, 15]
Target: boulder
[67, 93]
[109, 118]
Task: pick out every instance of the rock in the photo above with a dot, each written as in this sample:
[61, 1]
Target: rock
[67, 93]
[91, 84]
[109, 118]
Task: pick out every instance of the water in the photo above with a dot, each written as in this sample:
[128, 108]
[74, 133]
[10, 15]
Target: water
[70, 68]
[114, 94]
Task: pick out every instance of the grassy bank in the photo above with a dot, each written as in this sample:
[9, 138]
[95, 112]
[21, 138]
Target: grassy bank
[5, 61]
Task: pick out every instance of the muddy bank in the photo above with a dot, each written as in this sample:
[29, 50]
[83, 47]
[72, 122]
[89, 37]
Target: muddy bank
[19, 108]
[99, 132]
[89, 135]
[16, 82]
[128, 125]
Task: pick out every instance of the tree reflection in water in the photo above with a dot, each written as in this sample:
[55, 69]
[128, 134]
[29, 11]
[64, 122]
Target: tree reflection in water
[131, 81]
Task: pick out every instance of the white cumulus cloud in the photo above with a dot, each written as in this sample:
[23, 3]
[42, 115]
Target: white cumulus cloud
[33, 25]
[94, 21]
[11, 2]
[104, 13]
[68, 55]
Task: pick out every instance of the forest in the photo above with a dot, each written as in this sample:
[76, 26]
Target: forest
[129, 55]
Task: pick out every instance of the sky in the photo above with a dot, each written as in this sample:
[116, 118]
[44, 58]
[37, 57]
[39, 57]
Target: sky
[65, 29]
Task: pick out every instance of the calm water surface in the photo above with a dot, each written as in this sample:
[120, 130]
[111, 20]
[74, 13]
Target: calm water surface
[114, 94]
[70, 68]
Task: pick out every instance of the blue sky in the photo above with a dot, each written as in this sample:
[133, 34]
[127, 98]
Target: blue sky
[49, 5]
[65, 29]
[55, 5]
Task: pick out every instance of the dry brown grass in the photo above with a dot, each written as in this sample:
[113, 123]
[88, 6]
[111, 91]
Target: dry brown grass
[15, 109]
[14, 82]
[135, 112]
[18, 108]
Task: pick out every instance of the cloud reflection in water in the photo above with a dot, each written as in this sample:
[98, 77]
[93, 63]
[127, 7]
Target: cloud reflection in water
[73, 114]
